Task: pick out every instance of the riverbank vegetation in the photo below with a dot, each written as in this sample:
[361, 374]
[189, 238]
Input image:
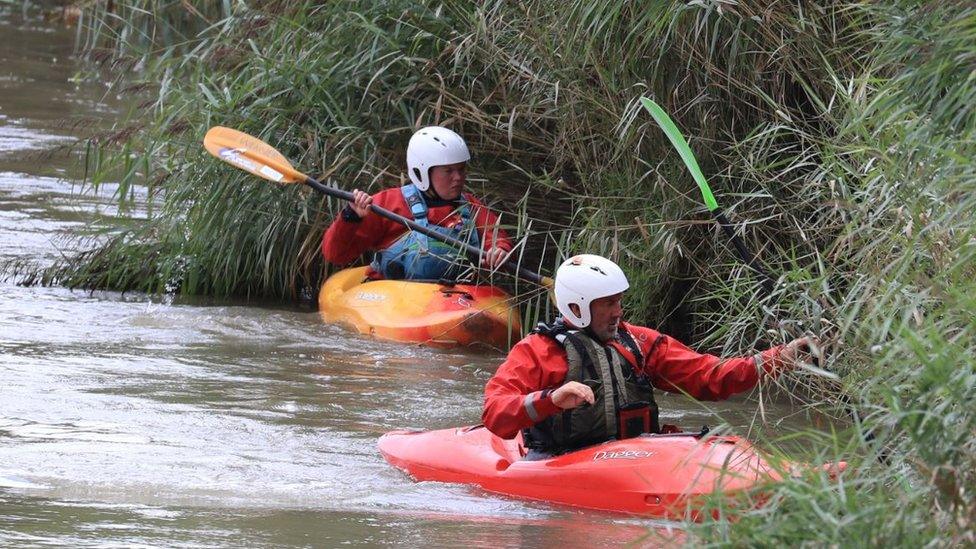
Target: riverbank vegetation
[839, 136]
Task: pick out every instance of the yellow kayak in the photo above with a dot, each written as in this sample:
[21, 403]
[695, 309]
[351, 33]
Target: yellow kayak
[421, 312]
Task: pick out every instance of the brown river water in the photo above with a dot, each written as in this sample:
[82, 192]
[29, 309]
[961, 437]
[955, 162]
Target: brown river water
[139, 421]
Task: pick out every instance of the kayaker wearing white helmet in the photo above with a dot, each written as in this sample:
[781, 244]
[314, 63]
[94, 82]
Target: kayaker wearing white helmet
[437, 165]
[590, 376]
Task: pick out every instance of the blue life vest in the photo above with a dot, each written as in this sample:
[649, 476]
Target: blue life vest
[416, 256]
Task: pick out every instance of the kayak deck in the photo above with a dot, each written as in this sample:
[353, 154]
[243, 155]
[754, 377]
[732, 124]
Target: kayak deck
[665, 476]
[420, 312]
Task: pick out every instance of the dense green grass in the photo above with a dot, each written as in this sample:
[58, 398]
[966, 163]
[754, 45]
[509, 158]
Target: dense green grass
[839, 135]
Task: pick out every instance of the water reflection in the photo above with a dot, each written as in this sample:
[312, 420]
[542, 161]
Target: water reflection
[111, 525]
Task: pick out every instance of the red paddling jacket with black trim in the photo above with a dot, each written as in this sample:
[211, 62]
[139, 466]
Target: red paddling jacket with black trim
[518, 395]
[350, 236]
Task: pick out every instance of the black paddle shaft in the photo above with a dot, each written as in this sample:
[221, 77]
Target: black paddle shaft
[744, 253]
[473, 252]
[767, 282]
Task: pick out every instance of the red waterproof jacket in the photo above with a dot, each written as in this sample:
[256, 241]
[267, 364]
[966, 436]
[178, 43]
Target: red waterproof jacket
[537, 364]
[348, 238]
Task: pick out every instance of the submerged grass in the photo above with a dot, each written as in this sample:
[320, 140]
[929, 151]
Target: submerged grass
[838, 135]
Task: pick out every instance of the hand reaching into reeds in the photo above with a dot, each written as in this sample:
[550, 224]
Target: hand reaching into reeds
[802, 350]
[805, 349]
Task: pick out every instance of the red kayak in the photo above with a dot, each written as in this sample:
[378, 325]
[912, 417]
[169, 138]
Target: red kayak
[665, 476]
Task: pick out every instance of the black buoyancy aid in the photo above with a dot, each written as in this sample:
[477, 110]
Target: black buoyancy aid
[616, 385]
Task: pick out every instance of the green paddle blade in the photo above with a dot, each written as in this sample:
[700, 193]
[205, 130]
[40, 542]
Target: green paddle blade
[684, 150]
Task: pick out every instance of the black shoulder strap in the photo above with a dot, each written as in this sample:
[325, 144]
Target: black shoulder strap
[562, 334]
[658, 341]
[551, 331]
[631, 345]
[582, 351]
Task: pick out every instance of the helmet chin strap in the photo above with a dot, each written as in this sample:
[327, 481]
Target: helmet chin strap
[588, 329]
[431, 193]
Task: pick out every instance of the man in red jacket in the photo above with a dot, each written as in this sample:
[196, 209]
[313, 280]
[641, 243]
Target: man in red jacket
[437, 164]
[590, 377]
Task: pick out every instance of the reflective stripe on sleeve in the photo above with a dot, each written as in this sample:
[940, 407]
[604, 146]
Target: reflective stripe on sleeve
[530, 407]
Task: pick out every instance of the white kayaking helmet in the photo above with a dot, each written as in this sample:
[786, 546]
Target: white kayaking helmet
[583, 278]
[433, 146]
